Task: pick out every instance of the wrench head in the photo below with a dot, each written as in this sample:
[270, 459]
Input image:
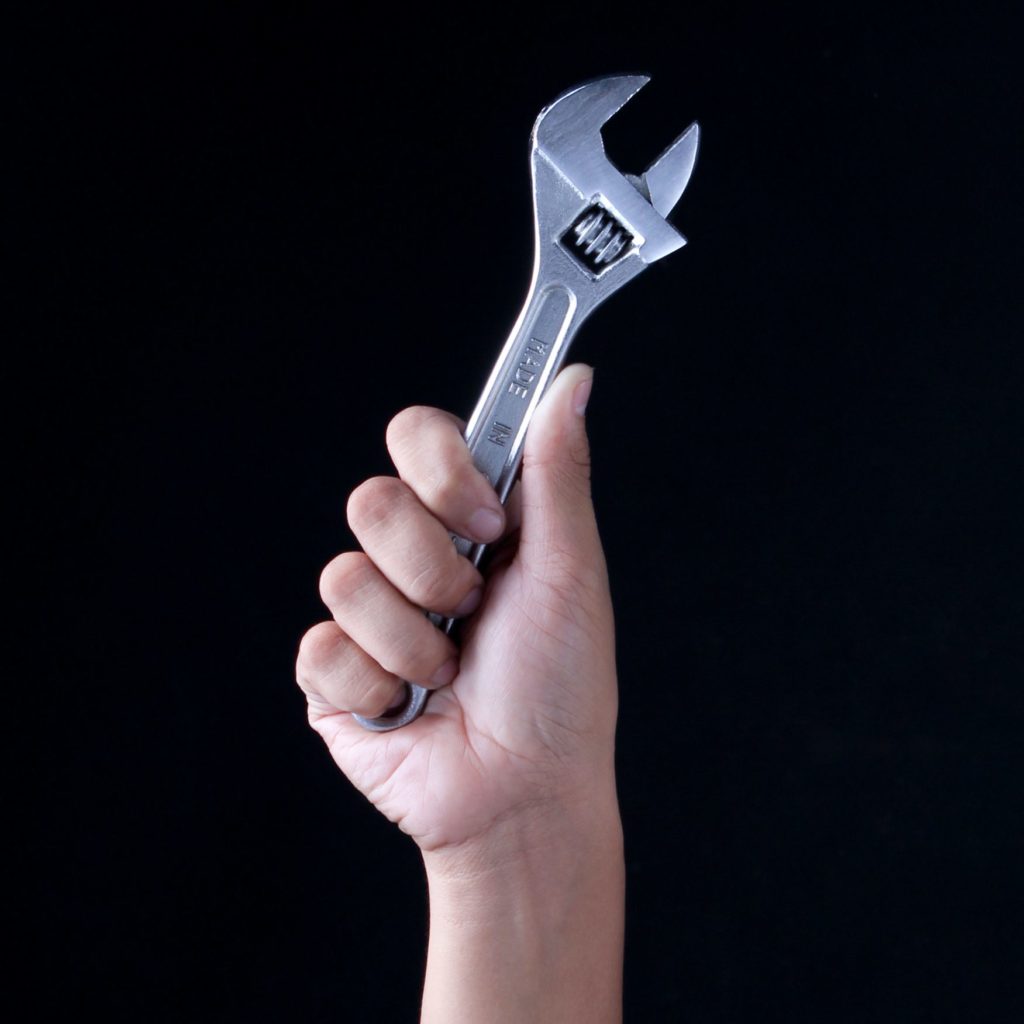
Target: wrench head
[568, 135]
[571, 125]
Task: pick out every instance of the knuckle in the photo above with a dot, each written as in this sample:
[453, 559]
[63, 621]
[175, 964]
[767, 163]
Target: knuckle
[371, 502]
[565, 477]
[579, 454]
[407, 424]
[316, 648]
[406, 420]
[431, 587]
[572, 476]
[374, 697]
[420, 428]
[344, 576]
[446, 489]
[410, 659]
[569, 467]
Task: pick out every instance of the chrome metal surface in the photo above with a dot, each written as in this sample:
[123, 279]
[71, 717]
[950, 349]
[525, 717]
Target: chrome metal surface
[595, 228]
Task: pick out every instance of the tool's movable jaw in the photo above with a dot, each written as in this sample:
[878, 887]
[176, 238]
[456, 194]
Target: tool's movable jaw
[596, 226]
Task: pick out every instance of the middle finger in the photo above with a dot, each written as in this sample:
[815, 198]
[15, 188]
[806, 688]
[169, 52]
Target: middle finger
[411, 548]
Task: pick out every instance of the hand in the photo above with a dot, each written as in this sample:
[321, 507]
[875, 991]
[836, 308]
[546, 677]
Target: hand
[526, 727]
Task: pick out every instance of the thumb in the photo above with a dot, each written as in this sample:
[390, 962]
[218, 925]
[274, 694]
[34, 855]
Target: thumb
[558, 534]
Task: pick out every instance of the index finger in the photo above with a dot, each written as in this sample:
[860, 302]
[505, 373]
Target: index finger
[430, 453]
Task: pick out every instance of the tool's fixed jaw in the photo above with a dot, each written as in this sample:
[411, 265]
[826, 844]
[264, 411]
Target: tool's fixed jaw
[609, 224]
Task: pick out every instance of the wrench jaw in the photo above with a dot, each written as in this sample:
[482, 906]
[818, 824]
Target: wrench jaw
[615, 215]
[666, 178]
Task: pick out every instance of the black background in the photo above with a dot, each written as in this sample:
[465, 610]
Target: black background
[253, 238]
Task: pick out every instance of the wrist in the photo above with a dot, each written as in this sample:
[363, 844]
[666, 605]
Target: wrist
[528, 925]
[543, 840]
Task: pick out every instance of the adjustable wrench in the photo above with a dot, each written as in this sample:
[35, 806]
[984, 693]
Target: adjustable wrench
[595, 229]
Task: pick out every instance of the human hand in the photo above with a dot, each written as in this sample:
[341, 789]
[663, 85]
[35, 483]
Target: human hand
[526, 728]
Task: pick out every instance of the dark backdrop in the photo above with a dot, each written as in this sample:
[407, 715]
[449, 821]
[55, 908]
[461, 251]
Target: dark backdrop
[255, 237]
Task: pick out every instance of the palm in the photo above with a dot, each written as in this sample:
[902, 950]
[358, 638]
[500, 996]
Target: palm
[537, 675]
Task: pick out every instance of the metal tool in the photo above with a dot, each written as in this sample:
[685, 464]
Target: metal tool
[595, 229]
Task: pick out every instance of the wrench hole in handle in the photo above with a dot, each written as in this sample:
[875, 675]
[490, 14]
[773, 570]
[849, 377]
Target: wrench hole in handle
[409, 708]
[402, 699]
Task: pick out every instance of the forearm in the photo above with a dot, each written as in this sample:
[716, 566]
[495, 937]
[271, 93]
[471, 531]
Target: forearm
[530, 928]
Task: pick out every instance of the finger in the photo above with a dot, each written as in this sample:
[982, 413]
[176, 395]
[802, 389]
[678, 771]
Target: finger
[559, 526]
[412, 548]
[431, 456]
[398, 636]
[503, 550]
[338, 675]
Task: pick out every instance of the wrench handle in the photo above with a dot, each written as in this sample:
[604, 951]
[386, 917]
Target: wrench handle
[496, 431]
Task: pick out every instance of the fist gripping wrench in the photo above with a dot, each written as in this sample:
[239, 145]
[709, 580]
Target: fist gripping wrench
[595, 229]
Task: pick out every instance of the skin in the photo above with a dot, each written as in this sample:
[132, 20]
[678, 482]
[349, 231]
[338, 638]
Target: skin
[506, 782]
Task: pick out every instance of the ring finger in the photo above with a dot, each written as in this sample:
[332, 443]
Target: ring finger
[396, 634]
